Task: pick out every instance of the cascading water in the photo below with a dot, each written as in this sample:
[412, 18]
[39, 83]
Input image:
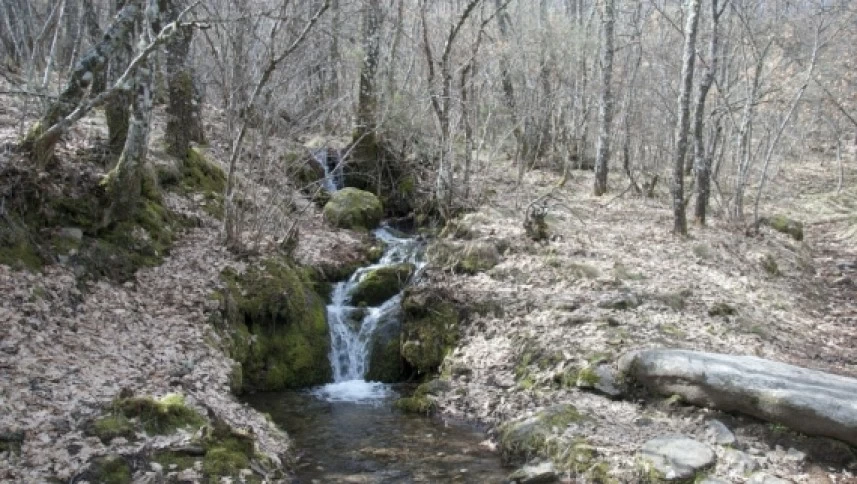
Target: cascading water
[331, 165]
[352, 327]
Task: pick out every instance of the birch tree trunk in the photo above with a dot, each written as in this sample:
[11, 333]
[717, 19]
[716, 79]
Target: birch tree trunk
[605, 109]
[41, 146]
[683, 123]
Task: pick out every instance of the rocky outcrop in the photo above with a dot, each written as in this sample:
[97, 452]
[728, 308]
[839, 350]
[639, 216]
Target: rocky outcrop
[379, 285]
[385, 355]
[429, 328]
[354, 209]
[277, 327]
[809, 401]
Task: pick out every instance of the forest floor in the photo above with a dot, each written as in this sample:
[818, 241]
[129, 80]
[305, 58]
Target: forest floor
[790, 301]
[67, 351]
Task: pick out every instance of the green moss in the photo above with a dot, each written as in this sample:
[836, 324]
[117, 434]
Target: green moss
[587, 377]
[277, 326]
[21, 256]
[110, 470]
[227, 452]
[416, 404]
[110, 427]
[385, 358]
[381, 284]
[160, 417]
[429, 328]
[769, 264]
[788, 226]
[197, 175]
[469, 257]
[222, 462]
[354, 209]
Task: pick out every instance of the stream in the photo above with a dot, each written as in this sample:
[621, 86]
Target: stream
[347, 431]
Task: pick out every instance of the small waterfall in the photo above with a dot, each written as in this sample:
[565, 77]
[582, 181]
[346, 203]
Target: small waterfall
[352, 328]
[331, 162]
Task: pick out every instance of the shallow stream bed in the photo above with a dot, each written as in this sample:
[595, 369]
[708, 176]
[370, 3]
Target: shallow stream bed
[348, 432]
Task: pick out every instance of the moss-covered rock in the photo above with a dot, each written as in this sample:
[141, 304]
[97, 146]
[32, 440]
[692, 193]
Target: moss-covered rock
[354, 209]
[781, 223]
[468, 257]
[159, 417]
[416, 404]
[385, 356]
[429, 328]
[520, 440]
[110, 427]
[11, 441]
[379, 285]
[277, 326]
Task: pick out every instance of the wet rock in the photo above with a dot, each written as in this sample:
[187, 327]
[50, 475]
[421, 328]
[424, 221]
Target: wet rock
[385, 356]
[379, 285]
[429, 328]
[677, 457]
[469, 257]
[620, 301]
[718, 433]
[739, 462]
[543, 473]
[600, 379]
[762, 478]
[355, 209]
[809, 401]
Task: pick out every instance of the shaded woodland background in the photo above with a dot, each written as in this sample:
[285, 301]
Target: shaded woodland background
[652, 95]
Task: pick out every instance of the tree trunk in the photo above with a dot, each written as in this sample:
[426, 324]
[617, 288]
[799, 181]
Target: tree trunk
[184, 112]
[605, 109]
[365, 156]
[125, 180]
[683, 123]
[509, 87]
[702, 159]
[41, 148]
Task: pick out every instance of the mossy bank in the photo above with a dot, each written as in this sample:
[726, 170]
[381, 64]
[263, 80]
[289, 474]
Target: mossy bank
[275, 324]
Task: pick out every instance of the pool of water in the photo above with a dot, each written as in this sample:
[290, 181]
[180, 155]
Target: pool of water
[348, 432]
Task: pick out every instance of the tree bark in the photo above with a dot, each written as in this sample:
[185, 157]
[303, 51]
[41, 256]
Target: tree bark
[605, 110]
[365, 156]
[184, 111]
[683, 123]
[702, 159]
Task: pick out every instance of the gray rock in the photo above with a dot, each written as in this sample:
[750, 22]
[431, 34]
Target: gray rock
[713, 480]
[762, 478]
[543, 473]
[739, 463]
[600, 379]
[809, 401]
[72, 233]
[620, 300]
[677, 457]
[795, 455]
[718, 433]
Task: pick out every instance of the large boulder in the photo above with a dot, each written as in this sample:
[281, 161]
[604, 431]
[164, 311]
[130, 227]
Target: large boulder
[469, 257]
[382, 283]
[809, 401]
[351, 208]
[429, 328]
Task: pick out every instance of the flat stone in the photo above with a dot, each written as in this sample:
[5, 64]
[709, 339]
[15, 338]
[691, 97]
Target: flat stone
[718, 433]
[543, 473]
[677, 457]
[713, 480]
[73, 233]
[809, 401]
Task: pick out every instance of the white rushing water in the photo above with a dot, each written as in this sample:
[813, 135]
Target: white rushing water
[332, 176]
[352, 327]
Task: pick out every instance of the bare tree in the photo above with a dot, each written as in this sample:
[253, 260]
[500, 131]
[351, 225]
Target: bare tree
[683, 124]
[605, 108]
